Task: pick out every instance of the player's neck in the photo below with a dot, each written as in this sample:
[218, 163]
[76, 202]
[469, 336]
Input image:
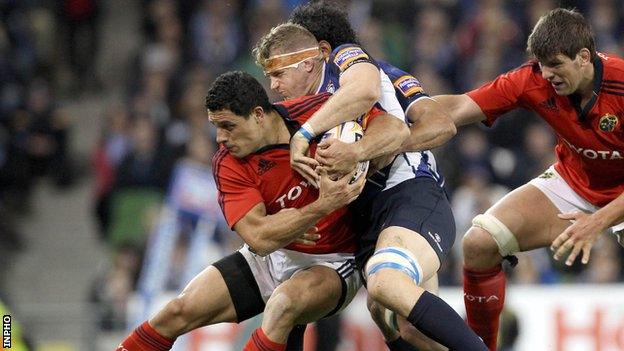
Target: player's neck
[276, 131]
[586, 88]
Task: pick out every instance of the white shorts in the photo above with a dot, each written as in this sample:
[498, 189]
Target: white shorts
[566, 199]
[277, 267]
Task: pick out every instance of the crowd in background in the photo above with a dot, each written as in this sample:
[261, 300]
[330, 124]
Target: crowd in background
[449, 45]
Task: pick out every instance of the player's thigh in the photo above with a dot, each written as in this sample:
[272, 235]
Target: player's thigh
[413, 242]
[530, 216]
[311, 293]
[204, 301]
[207, 296]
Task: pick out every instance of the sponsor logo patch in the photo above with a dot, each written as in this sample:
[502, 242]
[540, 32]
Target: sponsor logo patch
[345, 57]
[408, 85]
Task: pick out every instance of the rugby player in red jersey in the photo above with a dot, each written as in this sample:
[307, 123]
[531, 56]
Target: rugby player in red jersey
[271, 207]
[580, 94]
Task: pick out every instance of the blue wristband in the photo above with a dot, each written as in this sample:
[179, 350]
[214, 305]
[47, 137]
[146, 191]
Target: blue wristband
[306, 134]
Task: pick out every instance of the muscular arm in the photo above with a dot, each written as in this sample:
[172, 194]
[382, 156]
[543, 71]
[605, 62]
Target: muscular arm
[360, 88]
[462, 109]
[431, 126]
[267, 233]
[383, 136]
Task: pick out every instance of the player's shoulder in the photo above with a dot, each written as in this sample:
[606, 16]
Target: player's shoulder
[528, 74]
[392, 71]
[302, 101]
[404, 82]
[224, 161]
[530, 67]
[613, 67]
[345, 55]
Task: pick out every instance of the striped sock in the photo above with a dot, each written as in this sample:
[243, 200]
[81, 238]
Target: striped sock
[145, 338]
[260, 342]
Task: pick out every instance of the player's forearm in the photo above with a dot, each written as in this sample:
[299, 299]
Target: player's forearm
[431, 127]
[462, 109]
[347, 104]
[611, 214]
[383, 136]
[360, 89]
[278, 230]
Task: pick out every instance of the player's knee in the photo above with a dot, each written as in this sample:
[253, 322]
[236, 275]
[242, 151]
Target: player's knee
[378, 283]
[174, 317]
[386, 266]
[487, 241]
[476, 243]
[283, 307]
[175, 308]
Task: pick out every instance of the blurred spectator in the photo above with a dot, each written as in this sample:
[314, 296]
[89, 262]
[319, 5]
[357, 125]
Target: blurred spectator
[81, 21]
[216, 33]
[112, 148]
[111, 289]
[147, 164]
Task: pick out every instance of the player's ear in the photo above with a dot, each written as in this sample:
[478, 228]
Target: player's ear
[585, 56]
[326, 49]
[258, 114]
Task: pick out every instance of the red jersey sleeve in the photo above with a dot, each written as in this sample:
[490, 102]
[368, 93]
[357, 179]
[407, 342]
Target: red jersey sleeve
[238, 191]
[503, 94]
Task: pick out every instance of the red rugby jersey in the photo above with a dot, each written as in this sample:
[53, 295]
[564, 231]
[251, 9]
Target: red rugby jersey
[265, 176]
[590, 148]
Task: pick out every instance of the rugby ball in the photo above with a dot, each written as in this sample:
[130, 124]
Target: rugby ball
[349, 132]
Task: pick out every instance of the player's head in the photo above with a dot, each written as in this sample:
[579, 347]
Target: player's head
[291, 58]
[563, 43]
[326, 21]
[237, 104]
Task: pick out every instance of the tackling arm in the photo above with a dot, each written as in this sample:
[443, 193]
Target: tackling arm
[360, 89]
[267, 233]
[431, 126]
[383, 136]
[462, 109]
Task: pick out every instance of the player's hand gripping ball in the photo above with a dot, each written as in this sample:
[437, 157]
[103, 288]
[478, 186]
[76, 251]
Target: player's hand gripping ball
[349, 132]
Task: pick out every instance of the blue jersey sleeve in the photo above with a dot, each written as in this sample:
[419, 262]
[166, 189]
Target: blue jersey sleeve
[408, 89]
[346, 55]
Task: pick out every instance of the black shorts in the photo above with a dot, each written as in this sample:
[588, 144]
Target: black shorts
[417, 204]
[242, 286]
[246, 288]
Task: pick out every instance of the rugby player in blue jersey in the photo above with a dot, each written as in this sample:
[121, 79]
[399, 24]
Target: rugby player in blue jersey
[408, 224]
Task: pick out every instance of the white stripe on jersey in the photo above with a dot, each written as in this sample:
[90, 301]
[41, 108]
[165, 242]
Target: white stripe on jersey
[410, 165]
[405, 166]
[388, 98]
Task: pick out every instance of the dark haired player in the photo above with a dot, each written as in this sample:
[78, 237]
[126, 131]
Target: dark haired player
[580, 94]
[271, 207]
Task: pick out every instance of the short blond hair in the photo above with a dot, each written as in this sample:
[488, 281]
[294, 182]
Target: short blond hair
[284, 38]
